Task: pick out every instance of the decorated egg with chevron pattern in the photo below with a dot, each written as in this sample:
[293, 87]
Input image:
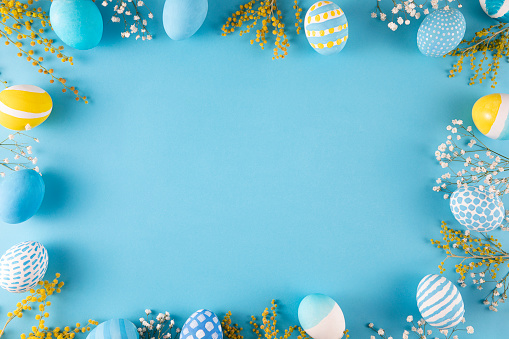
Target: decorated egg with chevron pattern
[115, 329]
[441, 32]
[496, 9]
[321, 317]
[476, 210]
[202, 324]
[326, 27]
[23, 266]
[439, 302]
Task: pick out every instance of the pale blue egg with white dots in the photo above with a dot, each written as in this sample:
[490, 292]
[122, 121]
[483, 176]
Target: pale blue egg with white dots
[202, 324]
[321, 317]
[496, 9]
[476, 210]
[441, 32]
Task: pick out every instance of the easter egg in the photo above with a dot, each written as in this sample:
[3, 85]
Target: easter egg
[439, 302]
[23, 266]
[496, 9]
[78, 23]
[183, 18]
[21, 194]
[475, 210]
[326, 27]
[441, 32]
[114, 329]
[321, 317]
[23, 105]
[202, 324]
[490, 116]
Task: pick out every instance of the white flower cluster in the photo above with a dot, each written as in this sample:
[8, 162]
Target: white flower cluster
[475, 164]
[420, 330]
[403, 10]
[21, 152]
[498, 294]
[131, 9]
[161, 327]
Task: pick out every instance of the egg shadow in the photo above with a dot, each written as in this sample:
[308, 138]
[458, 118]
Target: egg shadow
[56, 197]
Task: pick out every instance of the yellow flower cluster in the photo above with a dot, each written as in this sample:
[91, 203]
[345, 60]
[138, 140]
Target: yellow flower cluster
[17, 28]
[231, 331]
[39, 296]
[485, 253]
[494, 39]
[271, 19]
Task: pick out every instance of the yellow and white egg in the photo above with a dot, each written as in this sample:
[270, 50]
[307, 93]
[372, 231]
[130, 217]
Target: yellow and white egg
[490, 115]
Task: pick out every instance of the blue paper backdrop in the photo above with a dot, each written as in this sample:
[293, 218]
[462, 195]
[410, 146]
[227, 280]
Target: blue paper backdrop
[205, 175]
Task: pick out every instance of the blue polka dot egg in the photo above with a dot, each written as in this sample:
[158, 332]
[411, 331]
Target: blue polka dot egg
[202, 324]
[326, 27]
[496, 9]
[475, 210]
[441, 32]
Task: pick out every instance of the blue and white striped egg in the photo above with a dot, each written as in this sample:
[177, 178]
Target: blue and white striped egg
[475, 210]
[321, 317]
[441, 32]
[23, 266]
[439, 302]
[202, 324]
[496, 9]
[114, 329]
[326, 27]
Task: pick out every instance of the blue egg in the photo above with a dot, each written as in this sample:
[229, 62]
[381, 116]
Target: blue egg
[21, 195]
[486, 214]
[439, 302]
[183, 18]
[321, 317]
[441, 32]
[496, 9]
[326, 27]
[115, 329]
[202, 324]
[78, 23]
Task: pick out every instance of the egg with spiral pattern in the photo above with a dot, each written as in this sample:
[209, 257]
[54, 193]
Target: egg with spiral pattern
[326, 27]
[496, 9]
[441, 32]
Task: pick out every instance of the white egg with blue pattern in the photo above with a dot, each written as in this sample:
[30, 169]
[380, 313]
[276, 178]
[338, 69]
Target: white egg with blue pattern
[23, 266]
[441, 32]
[496, 9]
[202, 324]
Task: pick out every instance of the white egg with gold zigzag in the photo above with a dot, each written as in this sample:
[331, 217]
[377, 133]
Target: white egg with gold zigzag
[23, 105]
[326, 27]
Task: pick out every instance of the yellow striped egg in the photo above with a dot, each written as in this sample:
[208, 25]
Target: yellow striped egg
[490, 115]
[326, 27]
[23, 105]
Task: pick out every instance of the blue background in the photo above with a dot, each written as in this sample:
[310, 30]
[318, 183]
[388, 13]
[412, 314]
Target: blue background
[205, 175]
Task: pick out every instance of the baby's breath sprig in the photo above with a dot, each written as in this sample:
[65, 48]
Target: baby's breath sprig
[271, 18]
[480, 257]
[38, 300]
[420, 330]
[20, 151]
[470, 163]
[494, 39]
[404, 10]
[127, 10]
[17, 22]
[163, 327]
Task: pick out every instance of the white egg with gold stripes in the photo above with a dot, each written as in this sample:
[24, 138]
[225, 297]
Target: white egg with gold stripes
[23, 105]
[326, 27]
[439, 302]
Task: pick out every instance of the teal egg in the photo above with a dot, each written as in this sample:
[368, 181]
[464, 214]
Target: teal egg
[78, 23]
[21, 195]
[183, 18]
[321, 317]
[115, 329]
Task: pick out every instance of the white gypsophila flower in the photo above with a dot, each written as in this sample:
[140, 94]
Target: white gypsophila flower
[470, 330]
[371, 325]
[381, 332]
[409, 319]
[373, 15]
[400, 20]
[11, 137]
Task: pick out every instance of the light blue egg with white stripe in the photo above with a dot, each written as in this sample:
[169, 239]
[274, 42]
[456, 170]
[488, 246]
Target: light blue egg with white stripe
[115, 329]
[321, 317]
[496, 9]
[326, 27]
[441, 32]
[439, 302]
